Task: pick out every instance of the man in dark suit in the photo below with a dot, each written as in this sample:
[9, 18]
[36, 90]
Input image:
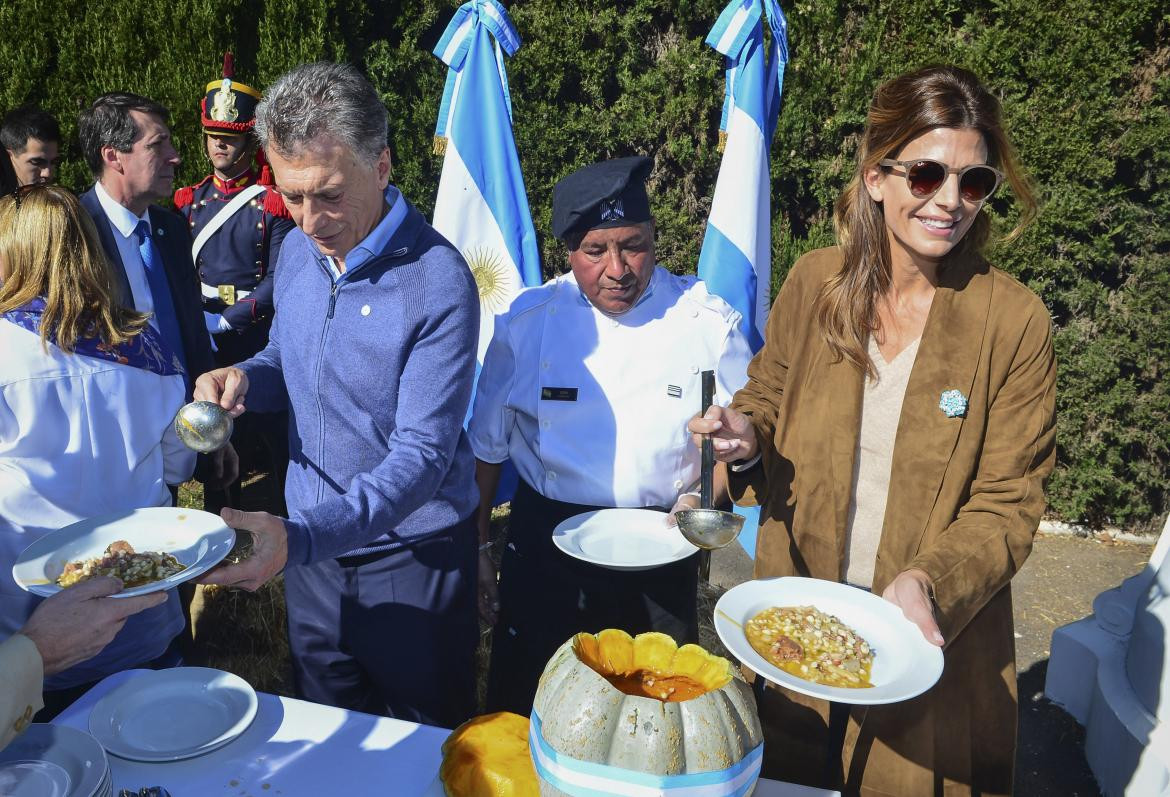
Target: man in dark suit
[127, 145]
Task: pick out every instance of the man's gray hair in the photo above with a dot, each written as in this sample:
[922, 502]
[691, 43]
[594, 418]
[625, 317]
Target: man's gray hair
[322, 99]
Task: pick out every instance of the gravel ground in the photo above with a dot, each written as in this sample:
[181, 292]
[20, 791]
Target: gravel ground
[1056, 586]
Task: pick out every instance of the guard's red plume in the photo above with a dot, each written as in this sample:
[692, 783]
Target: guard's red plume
[229, 66]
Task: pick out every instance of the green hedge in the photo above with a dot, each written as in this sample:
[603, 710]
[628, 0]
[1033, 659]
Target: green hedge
[1085, 87]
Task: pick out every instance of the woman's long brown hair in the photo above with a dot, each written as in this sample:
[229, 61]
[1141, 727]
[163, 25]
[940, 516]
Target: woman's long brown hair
[50, 248]
[903, 109]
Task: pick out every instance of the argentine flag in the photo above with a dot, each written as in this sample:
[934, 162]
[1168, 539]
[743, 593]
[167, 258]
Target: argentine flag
[482, 207]
[736, 259]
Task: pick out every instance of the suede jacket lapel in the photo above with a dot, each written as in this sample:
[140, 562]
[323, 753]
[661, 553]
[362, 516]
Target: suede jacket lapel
[844, 384]
[948, 358]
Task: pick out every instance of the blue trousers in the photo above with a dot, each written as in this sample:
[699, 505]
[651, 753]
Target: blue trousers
[393, 633]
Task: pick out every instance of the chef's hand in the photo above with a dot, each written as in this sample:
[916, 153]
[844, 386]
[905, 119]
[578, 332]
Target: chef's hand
[218, 469]
[732, 435]
[226, 387]
[685, 501]
[910, 591]
[269, 551]
[76, 623]
[488, 589]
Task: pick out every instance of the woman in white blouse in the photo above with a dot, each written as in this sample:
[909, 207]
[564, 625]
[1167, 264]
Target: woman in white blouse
[88, 393]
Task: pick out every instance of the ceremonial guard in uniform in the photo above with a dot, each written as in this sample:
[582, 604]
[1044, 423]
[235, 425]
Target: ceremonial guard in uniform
[238, 223]
[581, 385]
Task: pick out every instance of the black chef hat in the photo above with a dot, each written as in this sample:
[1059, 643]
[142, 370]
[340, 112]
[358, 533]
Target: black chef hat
[607, 194]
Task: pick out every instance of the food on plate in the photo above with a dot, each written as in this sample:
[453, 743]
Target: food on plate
[123, 563]
[488, 757]
[584, 713]
[811, 645]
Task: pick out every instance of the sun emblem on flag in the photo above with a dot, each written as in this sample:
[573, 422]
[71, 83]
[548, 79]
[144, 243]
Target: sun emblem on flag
[491, 277]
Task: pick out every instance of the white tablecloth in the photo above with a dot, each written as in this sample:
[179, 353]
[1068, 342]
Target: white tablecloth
[299, 749]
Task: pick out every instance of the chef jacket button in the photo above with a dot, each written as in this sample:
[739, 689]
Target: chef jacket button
[678, 484]
[552, 310]
[544, 365]
[694, 369]
[614, 322]
[694, 313]
[545, 424]
[552, 475]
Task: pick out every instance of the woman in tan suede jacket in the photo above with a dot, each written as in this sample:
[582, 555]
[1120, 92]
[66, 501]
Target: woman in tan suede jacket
[934, 504]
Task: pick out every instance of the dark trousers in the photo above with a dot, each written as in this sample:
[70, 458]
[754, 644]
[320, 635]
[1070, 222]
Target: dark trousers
[392, 633]
[261, 442]
[547, 596]
[260, 438]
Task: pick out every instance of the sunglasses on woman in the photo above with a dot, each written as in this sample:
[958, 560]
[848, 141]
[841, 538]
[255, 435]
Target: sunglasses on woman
[925, 177]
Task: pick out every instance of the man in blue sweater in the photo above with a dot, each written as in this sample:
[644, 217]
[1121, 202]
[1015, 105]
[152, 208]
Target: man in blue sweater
[373, 349]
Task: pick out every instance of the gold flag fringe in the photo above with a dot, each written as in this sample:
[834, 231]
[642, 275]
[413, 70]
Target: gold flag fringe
[722, 140]
[440, 145]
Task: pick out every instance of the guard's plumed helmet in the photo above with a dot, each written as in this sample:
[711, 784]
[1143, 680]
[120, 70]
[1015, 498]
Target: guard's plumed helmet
[228, 107]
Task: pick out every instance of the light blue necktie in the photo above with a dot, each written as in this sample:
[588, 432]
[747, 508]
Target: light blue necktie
[160, 291]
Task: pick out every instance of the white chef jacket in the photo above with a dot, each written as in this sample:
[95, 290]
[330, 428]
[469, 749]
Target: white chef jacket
[79, 437]
[592, 409]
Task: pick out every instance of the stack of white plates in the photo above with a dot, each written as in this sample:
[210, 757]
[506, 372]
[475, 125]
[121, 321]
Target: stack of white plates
[54, 761]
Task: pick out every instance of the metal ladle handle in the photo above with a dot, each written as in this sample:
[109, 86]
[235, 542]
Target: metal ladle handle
[706, 471]
[707, 467]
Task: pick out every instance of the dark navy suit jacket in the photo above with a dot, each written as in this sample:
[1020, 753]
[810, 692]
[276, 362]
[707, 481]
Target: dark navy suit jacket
[173, 241]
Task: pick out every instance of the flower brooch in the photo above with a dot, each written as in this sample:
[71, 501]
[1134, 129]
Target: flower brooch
[953, 404]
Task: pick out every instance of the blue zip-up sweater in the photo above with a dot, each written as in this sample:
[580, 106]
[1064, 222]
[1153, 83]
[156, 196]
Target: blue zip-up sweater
[377, 368]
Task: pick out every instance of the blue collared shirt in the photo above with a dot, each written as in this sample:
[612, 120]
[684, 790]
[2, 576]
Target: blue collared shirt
[376, 241]
[125, 225]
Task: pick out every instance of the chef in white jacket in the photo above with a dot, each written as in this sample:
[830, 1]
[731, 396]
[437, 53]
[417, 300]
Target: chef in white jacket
[582, 385]
[88, 393]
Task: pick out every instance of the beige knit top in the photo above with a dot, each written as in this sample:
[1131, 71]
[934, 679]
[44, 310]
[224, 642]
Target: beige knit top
[881, 407]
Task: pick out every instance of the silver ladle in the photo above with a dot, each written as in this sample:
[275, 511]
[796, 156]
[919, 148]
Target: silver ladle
[705, 527]
[203, 426]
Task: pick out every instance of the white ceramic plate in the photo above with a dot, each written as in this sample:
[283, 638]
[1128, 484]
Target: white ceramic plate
[53, 761]
[905, 664]
[622, 539]
[197, 539]
[168, 715]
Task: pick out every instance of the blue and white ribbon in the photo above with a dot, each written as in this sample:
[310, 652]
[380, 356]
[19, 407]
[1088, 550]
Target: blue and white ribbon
[456, 41]
[735, 32]
[589, 779]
